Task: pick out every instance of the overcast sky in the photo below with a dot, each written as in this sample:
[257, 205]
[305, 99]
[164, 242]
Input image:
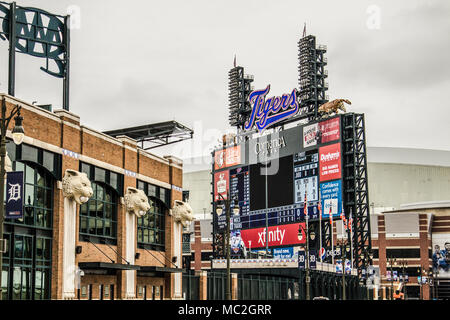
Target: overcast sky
[139, 62]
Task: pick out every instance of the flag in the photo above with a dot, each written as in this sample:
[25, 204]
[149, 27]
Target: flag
[319, 207]
[305, 209]
[304, 30]
[234, 62]
[350, 221]
[331, 215]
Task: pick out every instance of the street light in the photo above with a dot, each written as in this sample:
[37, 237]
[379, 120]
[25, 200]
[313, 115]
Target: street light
[309, 232]
[18, 135]
[344, 248]
[392, 262]
[366, 257]
[219, 211]
[404, 263]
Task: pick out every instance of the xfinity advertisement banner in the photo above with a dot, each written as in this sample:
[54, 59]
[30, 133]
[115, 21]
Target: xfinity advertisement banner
[277, 236]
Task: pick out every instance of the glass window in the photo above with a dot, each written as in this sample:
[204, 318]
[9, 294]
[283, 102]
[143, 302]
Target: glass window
[29, 153]
[99, 215]
[150, 227]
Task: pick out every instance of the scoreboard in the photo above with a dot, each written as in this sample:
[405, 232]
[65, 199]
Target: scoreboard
[271, 176]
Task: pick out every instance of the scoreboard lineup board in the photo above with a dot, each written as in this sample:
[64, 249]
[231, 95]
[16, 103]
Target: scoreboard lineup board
[270, 177]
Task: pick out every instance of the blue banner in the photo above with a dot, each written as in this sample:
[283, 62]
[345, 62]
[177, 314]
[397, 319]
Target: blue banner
[312, 259]
[331, 197]
[283, 253]
[14, 195]
[301, 259]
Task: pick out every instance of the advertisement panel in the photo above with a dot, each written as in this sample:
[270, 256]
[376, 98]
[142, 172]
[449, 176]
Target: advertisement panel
[310, 135]
[441, 255]
[221, 185]
[331, 197]
[329, 130]
[228, 157]
[330, 162]
[283, 253]
[277, 236]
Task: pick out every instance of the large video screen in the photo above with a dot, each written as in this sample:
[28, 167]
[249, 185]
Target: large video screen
[270, 178]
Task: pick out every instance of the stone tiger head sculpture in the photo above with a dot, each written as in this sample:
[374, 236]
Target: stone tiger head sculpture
[182, 212]
[76, 186]
[136, 202]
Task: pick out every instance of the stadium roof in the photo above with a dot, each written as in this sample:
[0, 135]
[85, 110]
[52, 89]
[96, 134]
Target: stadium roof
[155, 134]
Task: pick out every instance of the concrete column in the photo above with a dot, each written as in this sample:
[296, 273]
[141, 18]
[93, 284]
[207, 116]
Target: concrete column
[69, 268]
[234, 286]
[203, 284]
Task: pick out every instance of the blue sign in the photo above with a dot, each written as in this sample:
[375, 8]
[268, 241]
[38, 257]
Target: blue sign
[267, 112]
[283, 253]
[14, 195]
[331, 197]
[301, 259]
[312, 258]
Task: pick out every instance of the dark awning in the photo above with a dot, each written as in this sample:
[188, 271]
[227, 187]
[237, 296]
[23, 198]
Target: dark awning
[154, 271]
[107, 266]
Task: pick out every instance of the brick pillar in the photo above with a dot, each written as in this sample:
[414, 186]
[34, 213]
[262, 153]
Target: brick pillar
[424, 255]
[197, 246]
[203, 285]
[234, 286]
[382, 246]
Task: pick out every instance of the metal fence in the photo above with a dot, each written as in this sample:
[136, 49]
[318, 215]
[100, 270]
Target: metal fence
[191, 286]
[257, 287]
[217, 283]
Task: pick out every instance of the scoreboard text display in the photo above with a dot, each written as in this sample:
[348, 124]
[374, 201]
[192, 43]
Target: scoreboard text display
[271, 176]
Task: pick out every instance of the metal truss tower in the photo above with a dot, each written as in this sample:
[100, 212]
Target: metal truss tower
[356, 193]
[239, 86]
[312, 75]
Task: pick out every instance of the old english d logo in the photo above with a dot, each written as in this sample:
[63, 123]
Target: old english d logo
[14, 195]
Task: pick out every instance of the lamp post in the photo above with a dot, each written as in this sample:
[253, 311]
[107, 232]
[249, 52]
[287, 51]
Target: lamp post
[227, 203]
[18, 135]
[344, 249]
[308, 233]
[366, 257]
[392, 262]
[403, 263]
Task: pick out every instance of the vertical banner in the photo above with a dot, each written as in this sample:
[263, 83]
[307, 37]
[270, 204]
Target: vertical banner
[221, 180]
[14, 195]
[330, 162]
[312, 259]
[301, 259]
[331, 197]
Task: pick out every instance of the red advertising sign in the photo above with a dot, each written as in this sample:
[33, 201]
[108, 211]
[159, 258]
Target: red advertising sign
[330, 162]
[330, 130]
[278, 236]
[221, 184]
[227, 158]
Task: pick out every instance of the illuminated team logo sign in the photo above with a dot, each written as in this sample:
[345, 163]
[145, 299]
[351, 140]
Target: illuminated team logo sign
[267, 112]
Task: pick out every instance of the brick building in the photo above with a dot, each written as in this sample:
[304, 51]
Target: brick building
[411, 235]
[33, 266]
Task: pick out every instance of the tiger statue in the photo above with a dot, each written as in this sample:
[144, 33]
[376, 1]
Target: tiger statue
[333, 106]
